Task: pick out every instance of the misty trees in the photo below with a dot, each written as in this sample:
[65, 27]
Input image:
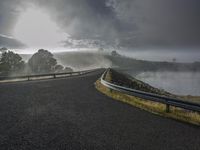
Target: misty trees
[11, 62]
[68, 69]
[58, 68]
[42, 62]
[3, 50]
[173, 60]
[61, 69]
[115, 54]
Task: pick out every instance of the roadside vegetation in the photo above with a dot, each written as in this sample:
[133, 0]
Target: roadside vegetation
[11, 64]
[153, 107]
[194, 99]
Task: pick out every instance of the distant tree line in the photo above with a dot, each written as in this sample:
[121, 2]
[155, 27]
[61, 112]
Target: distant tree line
[41, 62]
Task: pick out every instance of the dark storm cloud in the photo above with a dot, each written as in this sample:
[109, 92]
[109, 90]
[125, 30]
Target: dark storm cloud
[160, 22]
[118, 23]
[81, 18]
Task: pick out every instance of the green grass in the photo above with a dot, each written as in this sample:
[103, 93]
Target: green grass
[153, 107]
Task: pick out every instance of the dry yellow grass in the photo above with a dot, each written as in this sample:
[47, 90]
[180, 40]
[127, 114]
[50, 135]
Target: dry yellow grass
[153, 107]
[195, 99]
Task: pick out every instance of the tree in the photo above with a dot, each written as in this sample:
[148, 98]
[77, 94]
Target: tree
[114, 54]
[3, 50]
[174, 60]
[58, 68]
[42, 62]
[11, 62]
[68, 69]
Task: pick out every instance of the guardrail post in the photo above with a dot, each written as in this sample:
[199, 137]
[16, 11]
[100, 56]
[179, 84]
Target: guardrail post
[167, 108]
[54, 76]
[28, 78]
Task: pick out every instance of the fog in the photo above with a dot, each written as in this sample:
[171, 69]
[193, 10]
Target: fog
[150, 54]
[180, 83]
[163, 54]
[83, 60]
[79, 59]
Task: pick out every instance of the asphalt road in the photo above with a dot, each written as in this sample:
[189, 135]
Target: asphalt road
[70, 114]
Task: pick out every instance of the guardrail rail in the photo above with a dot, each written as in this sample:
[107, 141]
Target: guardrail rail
[152, 97]
[50, 75]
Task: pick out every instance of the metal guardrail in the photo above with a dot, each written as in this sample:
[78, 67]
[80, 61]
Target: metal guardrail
[51, 75]
[152, 97]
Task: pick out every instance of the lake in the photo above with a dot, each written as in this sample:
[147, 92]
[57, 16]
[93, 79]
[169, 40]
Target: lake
[180, 83]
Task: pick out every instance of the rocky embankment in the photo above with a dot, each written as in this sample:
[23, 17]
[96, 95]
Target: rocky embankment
[128, 81]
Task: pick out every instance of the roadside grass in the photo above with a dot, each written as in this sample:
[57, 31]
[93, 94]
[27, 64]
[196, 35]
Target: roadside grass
[153, 107]
[194, 99]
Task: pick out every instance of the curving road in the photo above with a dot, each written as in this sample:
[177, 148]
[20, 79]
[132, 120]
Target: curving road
[70, 113]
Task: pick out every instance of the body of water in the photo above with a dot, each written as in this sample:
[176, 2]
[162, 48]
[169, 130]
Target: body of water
[181, 83]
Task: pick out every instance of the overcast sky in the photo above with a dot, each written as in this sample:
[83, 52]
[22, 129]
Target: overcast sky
[125, 24]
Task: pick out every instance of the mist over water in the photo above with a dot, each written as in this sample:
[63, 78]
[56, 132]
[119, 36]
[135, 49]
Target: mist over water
[187, 56]
[180, 83]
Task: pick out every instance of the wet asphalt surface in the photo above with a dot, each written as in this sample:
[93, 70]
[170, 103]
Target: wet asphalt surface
[70, 114]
